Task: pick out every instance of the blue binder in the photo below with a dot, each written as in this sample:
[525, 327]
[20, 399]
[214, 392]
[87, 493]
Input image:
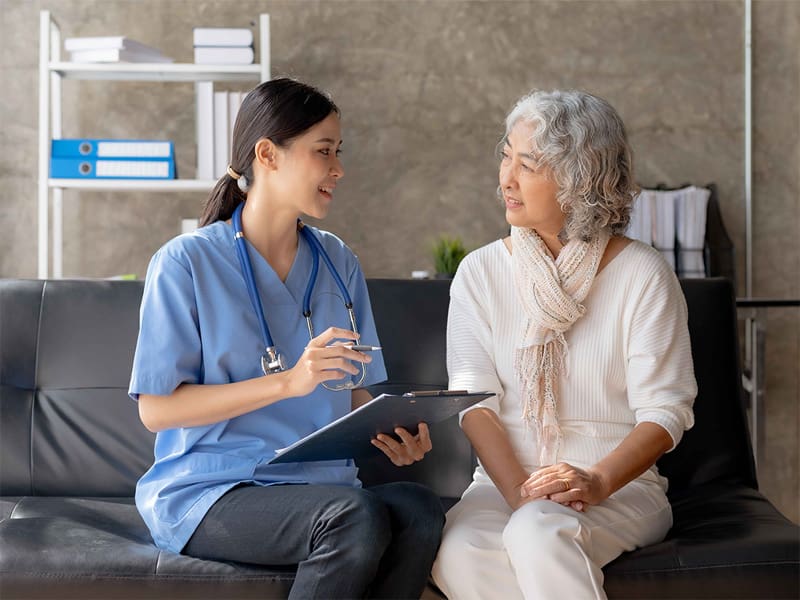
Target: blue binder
[100, 168]
[100, 148]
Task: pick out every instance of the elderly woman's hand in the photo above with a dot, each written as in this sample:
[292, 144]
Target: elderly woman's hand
[410, 448]
[565, 484]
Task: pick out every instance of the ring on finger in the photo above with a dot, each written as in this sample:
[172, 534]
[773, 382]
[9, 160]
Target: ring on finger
[566, 483]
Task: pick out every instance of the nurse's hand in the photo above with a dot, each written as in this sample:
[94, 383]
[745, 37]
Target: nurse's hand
[409, 449]
[323, 362]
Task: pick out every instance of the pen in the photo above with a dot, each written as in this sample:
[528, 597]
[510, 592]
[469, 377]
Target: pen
[360, 348]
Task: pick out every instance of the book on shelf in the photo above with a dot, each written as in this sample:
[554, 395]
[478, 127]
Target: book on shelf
[222, 36]
[113, 42]
[116, 55]
[216, 115]
[105, 148]
[232, 55]
[221, 135]
[234, 102]
[204, 107]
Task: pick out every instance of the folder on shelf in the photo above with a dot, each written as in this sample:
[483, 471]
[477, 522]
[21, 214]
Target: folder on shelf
[98, 148]
[349, 436]
[99, 168]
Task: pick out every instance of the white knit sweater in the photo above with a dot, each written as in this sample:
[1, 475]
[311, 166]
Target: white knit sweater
[629, 358]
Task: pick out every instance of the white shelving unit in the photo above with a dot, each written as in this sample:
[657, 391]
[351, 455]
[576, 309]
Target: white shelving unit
[52, 70]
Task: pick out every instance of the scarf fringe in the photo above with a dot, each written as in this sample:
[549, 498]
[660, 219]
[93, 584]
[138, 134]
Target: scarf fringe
[538, 385]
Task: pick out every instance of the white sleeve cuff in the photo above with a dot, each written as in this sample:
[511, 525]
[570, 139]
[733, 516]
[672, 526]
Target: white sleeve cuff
[674, 421]
[478, 382]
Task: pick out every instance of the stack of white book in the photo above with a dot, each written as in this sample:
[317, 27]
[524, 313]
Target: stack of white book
[216, 115]
[223, 46]
[112, 49]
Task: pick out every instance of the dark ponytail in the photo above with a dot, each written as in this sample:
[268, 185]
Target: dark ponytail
[280, 110]
[222, 201]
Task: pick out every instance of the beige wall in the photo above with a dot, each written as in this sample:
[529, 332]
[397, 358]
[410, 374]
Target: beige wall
[424, 87]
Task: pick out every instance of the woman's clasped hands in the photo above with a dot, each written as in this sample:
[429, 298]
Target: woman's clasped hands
[565, 484]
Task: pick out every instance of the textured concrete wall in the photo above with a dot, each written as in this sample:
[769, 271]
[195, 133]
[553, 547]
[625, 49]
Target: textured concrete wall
[424, 87]
[776, 236]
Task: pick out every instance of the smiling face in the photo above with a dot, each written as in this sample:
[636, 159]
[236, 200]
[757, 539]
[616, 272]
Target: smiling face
[529, 189]
[309, 168]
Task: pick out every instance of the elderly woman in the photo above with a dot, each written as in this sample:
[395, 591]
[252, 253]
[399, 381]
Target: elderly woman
[582, 334]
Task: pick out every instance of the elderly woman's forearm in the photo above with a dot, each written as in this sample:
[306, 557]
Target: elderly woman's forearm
[640, 449]
[493, 447]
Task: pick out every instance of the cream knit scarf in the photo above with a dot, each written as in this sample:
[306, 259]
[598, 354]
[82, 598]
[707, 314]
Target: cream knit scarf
[550, 292]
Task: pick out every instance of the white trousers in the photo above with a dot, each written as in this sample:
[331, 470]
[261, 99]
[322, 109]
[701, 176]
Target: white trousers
[543, 550]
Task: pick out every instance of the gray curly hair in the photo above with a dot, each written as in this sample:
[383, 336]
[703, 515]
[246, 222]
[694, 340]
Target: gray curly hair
[581, 139]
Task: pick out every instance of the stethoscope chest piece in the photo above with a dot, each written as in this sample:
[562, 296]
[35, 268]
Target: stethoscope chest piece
[272, 362]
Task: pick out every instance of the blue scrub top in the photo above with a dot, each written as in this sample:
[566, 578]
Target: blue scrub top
[197, 325]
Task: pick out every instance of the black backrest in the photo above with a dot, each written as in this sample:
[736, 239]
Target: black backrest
[719, 253]
[718, 446]
[67, 426]
[411, 318]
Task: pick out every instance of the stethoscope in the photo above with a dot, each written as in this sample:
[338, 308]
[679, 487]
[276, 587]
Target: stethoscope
[272, 361]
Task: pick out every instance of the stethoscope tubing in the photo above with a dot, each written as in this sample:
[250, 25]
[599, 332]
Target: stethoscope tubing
[249, 278]
[317, 250]
[320, 251]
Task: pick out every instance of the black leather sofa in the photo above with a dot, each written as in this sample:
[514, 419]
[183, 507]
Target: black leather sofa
[72, 448]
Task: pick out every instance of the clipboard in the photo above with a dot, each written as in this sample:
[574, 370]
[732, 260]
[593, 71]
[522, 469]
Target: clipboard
[350, 435]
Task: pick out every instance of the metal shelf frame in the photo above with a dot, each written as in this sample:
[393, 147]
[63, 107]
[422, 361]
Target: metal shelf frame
[53, 70]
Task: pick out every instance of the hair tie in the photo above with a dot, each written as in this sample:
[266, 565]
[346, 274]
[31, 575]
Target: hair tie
[241, 179]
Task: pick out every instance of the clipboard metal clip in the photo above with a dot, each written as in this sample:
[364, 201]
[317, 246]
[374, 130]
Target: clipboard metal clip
[425, 393]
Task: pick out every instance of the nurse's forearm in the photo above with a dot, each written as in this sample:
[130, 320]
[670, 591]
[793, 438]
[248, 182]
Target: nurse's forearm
[490, 440]
[192, 405]
[359, 398]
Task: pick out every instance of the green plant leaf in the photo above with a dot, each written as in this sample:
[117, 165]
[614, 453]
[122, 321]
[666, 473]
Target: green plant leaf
[447, 254]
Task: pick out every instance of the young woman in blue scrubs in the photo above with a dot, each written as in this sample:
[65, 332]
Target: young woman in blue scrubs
[198, 378]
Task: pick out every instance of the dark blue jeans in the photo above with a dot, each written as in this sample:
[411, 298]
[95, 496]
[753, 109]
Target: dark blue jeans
[347, 542]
